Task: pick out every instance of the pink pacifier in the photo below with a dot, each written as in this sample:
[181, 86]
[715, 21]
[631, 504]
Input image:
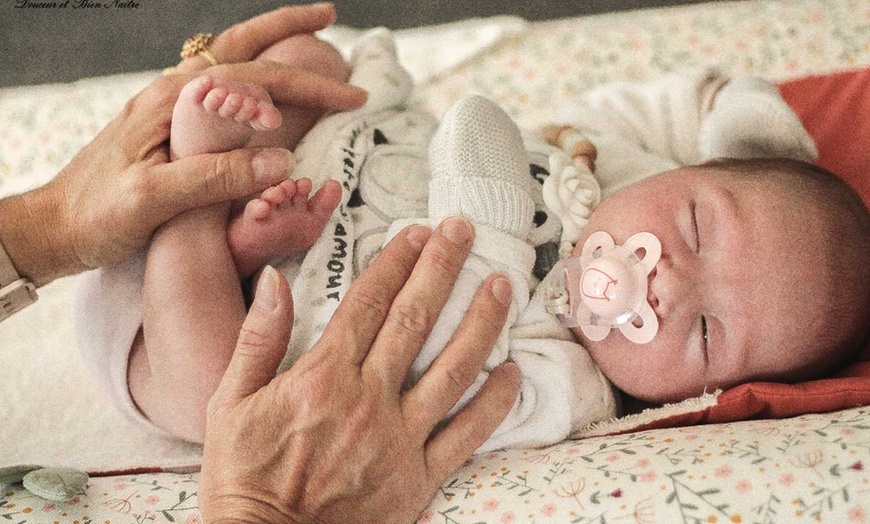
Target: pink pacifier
[606, 287]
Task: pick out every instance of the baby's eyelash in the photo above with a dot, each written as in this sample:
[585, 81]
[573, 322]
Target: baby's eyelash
[704, 338]
[695, 234]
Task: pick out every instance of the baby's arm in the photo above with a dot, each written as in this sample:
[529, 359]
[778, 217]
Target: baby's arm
[638, 129]
[686, 118]
[689, 117]
[748, 118]
[661, 117]
[562, 389]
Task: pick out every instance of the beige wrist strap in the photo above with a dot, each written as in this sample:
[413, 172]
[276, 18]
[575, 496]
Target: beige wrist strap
[16, 293]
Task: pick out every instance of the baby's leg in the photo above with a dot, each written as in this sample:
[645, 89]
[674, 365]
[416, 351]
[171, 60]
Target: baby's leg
[193, 312]
[193, 303]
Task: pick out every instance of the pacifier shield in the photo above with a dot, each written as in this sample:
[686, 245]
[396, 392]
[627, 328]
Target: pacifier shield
[607, 287]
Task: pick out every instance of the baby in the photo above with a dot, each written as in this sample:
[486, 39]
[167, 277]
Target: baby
[761, 277]
[751, 250]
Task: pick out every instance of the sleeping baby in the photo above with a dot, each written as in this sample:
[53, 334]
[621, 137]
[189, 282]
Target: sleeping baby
[665, 239]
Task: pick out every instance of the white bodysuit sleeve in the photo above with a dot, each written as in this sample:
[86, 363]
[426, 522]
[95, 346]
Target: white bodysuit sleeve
[641, 129]
[750, 119]
[562, 388]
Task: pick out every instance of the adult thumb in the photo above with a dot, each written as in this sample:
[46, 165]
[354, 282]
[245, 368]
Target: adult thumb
[210, 178]
[263, 340]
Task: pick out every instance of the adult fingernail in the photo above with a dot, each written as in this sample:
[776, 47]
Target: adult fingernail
[272, 166]
[501, 288]
[418, 236]
[266, 297]
[457, 230]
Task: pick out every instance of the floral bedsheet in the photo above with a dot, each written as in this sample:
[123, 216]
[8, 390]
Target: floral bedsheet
[807, 469]
[813, 468]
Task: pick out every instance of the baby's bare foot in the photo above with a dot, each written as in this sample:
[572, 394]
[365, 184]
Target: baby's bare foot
[283, 221]
[213, 115]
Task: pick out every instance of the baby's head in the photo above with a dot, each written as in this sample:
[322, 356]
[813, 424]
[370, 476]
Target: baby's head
[764, 275]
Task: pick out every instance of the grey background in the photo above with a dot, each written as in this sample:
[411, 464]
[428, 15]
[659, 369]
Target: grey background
[40, 45]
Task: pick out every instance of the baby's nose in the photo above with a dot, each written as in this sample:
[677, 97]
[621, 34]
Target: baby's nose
[668, 287]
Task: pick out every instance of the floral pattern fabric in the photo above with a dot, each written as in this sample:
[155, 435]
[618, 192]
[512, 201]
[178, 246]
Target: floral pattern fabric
[532, 76]
[814, 468]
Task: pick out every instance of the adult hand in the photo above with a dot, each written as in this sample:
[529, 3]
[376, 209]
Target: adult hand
[105, 204]
[335, 438]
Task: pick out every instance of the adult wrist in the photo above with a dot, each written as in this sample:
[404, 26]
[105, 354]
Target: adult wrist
[30, 229]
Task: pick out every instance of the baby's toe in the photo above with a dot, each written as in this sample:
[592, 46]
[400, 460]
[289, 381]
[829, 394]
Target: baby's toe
[215, 98]
[231, 105]
[195, 91]
[303, 187]
[268, 117]
[257, 209]
[327, 197]
[289, 187]
[247, 112]
[274, 195]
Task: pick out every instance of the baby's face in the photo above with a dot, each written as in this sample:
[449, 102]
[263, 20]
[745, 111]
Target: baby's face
[736, 292]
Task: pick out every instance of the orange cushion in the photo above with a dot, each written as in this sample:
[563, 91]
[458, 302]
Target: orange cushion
[835, 109]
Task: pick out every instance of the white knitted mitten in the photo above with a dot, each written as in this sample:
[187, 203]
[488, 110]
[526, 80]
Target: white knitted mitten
[480, 169]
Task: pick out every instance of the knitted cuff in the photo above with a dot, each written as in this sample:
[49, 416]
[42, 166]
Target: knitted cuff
[492, 202]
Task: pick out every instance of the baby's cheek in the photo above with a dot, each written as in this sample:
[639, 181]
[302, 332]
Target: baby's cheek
[641, 370]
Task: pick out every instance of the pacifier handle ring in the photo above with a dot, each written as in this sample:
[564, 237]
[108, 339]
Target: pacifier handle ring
[650, 244]
[597, 240]
[595, 333]
[645, 333]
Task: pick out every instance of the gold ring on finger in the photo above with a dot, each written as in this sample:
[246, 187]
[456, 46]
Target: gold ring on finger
[199, 44]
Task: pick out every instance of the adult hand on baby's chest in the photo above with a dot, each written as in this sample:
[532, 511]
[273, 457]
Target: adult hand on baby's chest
[337, 438]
